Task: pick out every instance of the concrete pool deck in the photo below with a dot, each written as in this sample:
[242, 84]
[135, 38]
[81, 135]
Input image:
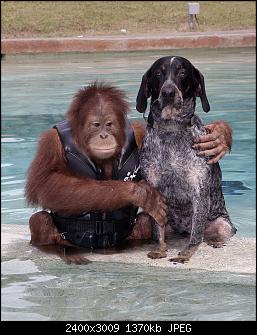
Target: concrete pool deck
[238, 256]
[126, 42]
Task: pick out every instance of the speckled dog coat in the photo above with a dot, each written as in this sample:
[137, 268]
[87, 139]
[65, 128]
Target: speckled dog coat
[168, 161]
[191, 186]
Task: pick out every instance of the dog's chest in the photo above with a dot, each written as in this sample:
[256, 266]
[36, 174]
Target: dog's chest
[168, 159]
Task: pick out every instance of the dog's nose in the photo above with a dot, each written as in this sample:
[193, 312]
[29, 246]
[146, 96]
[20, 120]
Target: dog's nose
[168, 92]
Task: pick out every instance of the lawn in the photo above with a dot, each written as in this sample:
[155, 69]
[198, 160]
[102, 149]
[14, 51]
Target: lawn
[73, 18]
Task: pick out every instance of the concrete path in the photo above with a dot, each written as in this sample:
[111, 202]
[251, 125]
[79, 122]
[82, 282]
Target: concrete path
[239, 256]
[216, 39]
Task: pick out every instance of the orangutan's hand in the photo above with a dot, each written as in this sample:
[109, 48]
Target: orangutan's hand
[216, 143]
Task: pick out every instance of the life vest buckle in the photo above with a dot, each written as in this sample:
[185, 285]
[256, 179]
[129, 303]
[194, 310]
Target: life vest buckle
[63, 236]
[99, 227]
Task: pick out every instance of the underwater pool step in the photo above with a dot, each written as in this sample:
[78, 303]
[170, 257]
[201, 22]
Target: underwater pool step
[238, 256]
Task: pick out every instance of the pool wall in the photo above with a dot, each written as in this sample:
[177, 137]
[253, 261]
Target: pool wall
[220, 39]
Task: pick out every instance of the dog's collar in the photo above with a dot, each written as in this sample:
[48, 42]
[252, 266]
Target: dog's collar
[174, 126]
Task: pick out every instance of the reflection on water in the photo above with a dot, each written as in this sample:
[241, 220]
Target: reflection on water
[106, 291]
[37, 90]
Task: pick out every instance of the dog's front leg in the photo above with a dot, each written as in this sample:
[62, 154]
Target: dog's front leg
[200, 208]
[160, 251]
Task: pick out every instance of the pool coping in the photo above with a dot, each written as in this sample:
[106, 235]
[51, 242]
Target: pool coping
[213, 39]
[238, 256]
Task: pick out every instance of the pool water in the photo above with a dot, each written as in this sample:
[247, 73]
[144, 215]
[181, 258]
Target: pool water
[36, 93]
[44, 291]
[37, 90]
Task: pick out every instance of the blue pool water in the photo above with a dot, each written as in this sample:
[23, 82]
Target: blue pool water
[51, 290]
[37, 90]
[36, 93]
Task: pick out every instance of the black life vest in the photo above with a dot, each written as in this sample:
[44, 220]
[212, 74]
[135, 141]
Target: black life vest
[98, 229]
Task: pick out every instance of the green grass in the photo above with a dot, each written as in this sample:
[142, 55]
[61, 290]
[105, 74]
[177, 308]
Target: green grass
[73, 18]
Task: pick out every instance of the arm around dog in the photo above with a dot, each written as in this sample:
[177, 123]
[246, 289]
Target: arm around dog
[51, 186]
[216, 143]
[191, 85]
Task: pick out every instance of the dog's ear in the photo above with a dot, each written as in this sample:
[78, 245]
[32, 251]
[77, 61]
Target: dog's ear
[200, 90]
[144, 93]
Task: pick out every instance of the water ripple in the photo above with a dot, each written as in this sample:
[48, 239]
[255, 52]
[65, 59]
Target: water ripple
[11, 139]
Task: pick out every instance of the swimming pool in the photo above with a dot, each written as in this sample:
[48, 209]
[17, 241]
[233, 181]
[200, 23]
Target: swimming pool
[36, 92]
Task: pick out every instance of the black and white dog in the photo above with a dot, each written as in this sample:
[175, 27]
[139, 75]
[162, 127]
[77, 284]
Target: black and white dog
[168, 161]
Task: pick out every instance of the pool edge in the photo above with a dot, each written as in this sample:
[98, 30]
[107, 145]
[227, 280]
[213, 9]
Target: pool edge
[238, 256]
[215, 39]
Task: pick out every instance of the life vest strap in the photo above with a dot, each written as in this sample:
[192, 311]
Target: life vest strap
[93, 233]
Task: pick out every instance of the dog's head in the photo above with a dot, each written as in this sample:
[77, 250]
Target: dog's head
[169, 82]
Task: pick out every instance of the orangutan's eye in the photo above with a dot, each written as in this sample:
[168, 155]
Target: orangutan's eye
[96, 124]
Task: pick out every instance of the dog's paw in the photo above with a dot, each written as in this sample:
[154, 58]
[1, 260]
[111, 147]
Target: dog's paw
[179, 259]
[157, 254]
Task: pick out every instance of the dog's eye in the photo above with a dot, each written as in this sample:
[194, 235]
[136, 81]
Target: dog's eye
[158, 74]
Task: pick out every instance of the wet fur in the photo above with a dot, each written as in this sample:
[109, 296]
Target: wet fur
[168, 162]
[54, 187]
[191, 186]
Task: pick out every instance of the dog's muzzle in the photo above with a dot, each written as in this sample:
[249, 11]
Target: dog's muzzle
[170, 100]
[168, 92]
[171, 107]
